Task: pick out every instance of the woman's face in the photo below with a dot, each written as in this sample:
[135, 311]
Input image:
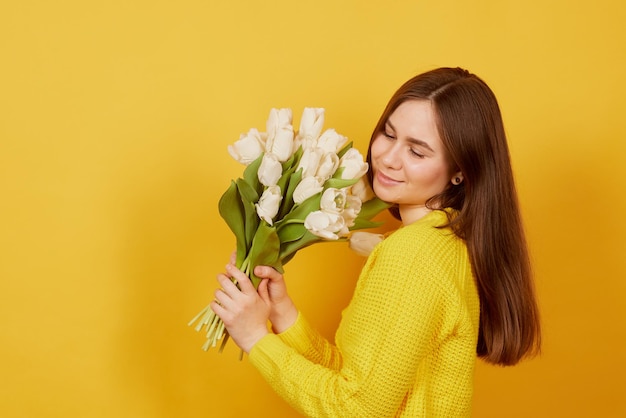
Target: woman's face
[408, 160]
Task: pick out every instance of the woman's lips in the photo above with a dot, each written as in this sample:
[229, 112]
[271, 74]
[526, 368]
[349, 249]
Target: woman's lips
[386, 180]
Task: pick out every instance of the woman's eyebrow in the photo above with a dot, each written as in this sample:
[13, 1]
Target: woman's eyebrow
[412, 140]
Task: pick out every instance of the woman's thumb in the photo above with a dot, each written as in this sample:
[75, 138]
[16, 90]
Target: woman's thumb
[263, 292]
[267, 272]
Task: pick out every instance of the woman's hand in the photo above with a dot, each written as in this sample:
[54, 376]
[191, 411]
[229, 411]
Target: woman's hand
[272, 289]
[244, 312]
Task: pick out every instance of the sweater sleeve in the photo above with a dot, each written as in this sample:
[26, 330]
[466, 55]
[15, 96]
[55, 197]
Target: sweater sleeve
[395, 318]
[311, 344]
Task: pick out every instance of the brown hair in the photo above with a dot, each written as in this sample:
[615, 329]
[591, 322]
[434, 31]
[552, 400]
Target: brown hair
[488, 216]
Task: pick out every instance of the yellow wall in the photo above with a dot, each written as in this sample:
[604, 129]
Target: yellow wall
[114, 122]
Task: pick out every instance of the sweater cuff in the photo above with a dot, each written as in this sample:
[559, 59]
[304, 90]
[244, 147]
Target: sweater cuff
[298, 336]
[267, 348]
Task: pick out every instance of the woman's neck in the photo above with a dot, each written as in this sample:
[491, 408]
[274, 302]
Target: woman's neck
[412, 213]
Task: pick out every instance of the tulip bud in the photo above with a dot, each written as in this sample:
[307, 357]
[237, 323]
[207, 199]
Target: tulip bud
[280, 134]
[363, 243]
[331, 141]
[310, 161]
[248, 148]
[269, 203]
[353, 164]
[327, 166]
[311, 125]
[362, 190]
[308, 187]
[270, 170]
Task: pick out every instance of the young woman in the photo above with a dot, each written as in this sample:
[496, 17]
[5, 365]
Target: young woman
[453, 283]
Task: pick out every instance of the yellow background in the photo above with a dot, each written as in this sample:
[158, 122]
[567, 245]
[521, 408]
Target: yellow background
[114, 122]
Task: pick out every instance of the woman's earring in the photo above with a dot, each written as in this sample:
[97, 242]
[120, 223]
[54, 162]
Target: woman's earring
[457, 180]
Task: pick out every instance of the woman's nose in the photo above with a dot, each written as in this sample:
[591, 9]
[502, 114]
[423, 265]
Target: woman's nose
[390, 156]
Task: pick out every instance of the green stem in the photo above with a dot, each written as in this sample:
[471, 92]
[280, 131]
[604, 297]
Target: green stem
[245, 266]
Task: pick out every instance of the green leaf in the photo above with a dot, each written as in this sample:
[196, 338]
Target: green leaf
[300, 211]
[291, 232]
[287, 203]
[248, 198]
[247, 191]
[232, 211]
[265, 250]
[344, 149]
[372, 208]
[294, 160]
[251, 176]
[289, 249]
[338, 183]
[364, 224]
[288, 258]
[284, 179]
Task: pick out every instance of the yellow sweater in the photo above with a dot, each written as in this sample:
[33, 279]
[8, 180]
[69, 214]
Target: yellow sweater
[406, 344]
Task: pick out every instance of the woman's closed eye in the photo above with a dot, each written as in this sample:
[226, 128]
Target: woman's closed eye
[416, 153]
[389, 135]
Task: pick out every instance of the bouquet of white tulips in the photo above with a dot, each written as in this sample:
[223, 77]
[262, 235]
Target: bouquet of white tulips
[298, 188]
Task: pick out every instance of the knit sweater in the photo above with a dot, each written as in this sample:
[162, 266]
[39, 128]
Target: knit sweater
[406, 344]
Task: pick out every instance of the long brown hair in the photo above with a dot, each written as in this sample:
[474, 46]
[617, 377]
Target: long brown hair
[488, 216]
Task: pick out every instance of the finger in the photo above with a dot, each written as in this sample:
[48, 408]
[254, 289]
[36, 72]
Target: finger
[228, 287]
[267, 272]
[218, 309]
[222, 298]
[263, 292]
[233, 257]
[242, 280]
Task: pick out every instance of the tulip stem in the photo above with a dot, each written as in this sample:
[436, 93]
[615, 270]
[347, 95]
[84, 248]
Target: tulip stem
[245, 266]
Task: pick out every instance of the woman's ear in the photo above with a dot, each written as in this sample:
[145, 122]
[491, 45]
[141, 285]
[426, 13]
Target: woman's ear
[457, 178]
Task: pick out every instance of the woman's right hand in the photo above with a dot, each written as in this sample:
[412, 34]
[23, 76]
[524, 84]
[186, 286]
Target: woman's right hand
[283, 312]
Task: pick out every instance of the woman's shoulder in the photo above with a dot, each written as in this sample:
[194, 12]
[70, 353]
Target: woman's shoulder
[426, 250]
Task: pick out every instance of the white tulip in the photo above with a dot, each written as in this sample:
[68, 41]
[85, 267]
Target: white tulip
[362, 189]
[315, 162]
[331, 141]
[269, 203]
[248, 148]
[353, 164]
[333, 200]
[278, 119]
[326, 225]
[340, 202]
[351, 209]
[363, 243]
[270, 170]
[280, 134]
[310, 161]
[308, 187]
[311, 124]
[327, 166]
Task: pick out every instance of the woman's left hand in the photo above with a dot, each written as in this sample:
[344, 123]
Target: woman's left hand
[244, 312]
